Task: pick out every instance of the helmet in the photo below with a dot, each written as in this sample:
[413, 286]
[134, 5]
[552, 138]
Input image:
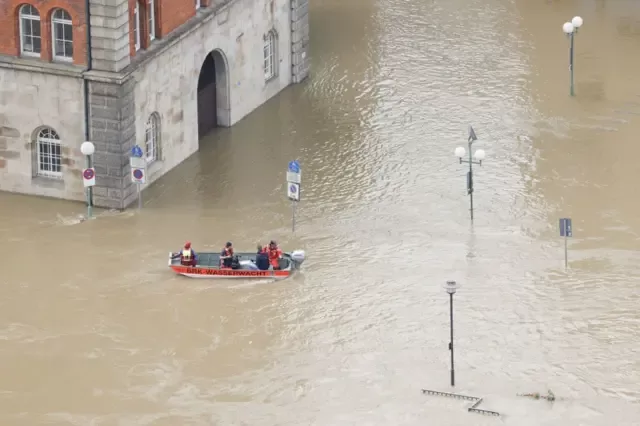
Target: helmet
[187, 245]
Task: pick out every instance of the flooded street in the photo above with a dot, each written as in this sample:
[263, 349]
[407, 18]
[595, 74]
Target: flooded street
[95, 330]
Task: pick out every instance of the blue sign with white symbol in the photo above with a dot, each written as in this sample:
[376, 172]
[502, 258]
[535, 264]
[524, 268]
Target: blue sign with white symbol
[294, 166]
[136, 151]
[566, 229]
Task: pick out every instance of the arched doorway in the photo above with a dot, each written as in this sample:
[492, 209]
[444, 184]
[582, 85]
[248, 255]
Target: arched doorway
[213, 94]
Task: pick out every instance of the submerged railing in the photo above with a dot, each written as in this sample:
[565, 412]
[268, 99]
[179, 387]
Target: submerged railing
[474, 407]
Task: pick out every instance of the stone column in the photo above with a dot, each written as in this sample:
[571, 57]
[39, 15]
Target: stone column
[112, 124]
[299, 40]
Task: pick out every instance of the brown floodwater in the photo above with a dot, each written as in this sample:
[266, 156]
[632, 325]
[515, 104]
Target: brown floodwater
[95, 330]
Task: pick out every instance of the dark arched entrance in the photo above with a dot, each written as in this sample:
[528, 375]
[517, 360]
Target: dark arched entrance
[213, 94]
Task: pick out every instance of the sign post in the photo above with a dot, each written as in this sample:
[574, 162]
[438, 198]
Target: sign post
[293, 189]
[566, 231]
[88, 174]
[138, 170]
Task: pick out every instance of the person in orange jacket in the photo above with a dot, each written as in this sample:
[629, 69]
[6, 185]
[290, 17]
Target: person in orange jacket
[275, 254]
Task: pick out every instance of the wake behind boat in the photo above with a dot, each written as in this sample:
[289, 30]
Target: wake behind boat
[208, 266]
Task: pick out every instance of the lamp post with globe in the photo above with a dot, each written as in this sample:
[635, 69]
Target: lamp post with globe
[571, 29]
[479, 155]
[87, 149]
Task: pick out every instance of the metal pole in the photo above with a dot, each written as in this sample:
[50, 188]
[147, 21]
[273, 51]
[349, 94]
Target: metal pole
[293, 221]
[453, 380]
[566, 262]
[471, 179]
[89, 191]
[139, 196]
[571, 61]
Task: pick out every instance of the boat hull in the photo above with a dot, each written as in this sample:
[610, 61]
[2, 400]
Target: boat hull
[207, 267]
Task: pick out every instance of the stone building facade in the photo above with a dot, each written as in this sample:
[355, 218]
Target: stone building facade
[157, 73]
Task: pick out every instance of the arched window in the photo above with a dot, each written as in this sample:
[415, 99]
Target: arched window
[152, 138]
[49, 153]
[151, 16]
[62, 35]
[270, 57]
[136, 26]
[30, 36]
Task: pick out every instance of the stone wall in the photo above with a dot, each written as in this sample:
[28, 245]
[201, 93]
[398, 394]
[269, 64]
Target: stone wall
[300, 60]
[31, 100]
[110, 34]
[112, 124]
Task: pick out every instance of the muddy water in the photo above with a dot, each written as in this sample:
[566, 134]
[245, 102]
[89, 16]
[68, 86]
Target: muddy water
[95, 331]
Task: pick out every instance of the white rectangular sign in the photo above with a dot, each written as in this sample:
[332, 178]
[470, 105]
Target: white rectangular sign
[138, 162]
[89, 177]
[294, 178]
[293, 191]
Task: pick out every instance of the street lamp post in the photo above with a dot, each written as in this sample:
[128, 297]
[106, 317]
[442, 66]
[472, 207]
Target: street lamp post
[571, 29]
[479, 155]
[87, 149]
[451, 287]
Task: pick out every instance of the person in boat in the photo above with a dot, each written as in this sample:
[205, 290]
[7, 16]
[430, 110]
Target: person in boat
[226, 256]
[262, 258]
[275, 254]
[187, 256]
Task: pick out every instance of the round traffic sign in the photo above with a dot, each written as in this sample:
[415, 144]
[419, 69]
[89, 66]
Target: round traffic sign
[293, 189]
[138, 174]
[88, 174]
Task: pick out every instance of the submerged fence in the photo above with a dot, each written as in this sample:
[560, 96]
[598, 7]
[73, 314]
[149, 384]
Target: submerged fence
[474, 407]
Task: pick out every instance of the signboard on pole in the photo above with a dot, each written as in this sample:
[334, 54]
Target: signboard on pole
[139, 176]
[293, 191]
[566, 230]
[89, 177]
[293, 172]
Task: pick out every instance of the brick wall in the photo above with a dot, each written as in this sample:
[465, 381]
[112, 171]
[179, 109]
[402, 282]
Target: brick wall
[173, 13]
[10, 30]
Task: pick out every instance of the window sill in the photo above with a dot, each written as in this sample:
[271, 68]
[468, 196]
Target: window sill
[48, 182]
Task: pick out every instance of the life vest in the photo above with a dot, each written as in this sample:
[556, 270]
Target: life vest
[186, 254]
[274, 255]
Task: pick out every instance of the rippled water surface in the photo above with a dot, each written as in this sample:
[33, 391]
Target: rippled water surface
[94, 330]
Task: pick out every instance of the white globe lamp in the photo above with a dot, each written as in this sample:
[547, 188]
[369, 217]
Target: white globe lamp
[567, 28]
[479, 155]
[576, 22]
[460, 151]
[87, 148]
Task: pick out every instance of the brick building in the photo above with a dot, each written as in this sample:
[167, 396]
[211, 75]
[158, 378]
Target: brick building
[159, 73]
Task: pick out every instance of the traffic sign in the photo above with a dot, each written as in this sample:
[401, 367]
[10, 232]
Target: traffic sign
[89, 177]
[136, 151]
[566, 229]
[138, 176]
[293, 191]
[294, 166]
[138, 162]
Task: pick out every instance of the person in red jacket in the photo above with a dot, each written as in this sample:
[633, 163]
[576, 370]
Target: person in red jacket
[275, 254]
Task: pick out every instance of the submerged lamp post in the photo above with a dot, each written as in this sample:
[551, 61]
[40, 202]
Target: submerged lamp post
[87, 149]
[571, 29]
[451, 287]
[479, 155]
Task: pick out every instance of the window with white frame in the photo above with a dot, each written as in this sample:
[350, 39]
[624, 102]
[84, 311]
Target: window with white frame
[62, 34]
[30, 35]
[136, 26]
[269, 56]
[198, 4]
[151, 14]
[49, 152]
[152, 138]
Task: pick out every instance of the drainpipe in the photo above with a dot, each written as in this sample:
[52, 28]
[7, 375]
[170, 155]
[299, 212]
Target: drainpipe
[87, 130]
[87, 133]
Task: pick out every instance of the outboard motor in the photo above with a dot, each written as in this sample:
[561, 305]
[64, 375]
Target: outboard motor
[297, 256]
